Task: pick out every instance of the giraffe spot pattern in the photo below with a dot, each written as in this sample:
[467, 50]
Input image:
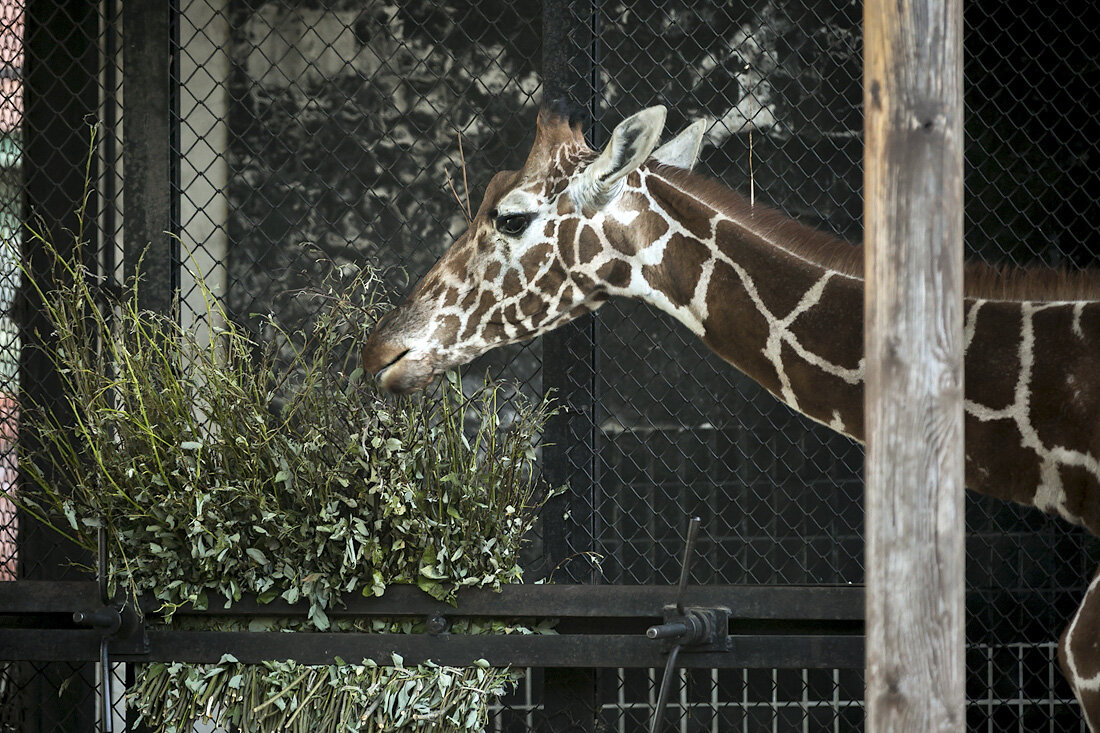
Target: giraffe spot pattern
[682, 256]
[512, 283]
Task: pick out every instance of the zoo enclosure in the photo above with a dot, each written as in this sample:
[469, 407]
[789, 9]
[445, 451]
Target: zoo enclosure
[249, 128]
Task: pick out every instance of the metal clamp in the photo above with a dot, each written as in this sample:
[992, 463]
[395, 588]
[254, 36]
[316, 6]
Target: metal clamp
[687, 629]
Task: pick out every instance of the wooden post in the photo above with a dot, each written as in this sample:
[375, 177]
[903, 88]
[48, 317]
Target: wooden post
[914, 340]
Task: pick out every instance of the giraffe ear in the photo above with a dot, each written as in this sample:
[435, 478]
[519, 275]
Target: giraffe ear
[682, 151]
[631, 144]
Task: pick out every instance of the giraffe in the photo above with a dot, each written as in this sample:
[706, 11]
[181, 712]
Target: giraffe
[778, 300]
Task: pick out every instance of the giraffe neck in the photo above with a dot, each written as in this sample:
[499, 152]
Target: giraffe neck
[778, 300]
[784, 304]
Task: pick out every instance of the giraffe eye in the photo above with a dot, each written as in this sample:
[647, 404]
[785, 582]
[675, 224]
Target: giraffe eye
[512, 224]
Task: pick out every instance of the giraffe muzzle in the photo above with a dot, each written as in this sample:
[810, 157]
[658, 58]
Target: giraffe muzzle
[394, 371]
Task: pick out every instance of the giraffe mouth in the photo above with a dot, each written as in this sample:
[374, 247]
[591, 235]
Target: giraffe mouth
[403, 375]
[390, 363]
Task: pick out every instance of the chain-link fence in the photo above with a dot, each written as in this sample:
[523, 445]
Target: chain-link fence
[297, 131]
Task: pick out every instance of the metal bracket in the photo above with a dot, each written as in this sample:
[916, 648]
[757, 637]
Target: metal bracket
[695, 629]
[687, 629]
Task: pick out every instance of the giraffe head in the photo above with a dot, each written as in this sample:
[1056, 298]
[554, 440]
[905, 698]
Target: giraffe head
[533, 257]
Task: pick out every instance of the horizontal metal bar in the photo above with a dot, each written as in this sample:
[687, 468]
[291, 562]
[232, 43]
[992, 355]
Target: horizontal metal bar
[793, 603]
[517, 650]
[826, 603]
[47, 596]
[62, 645]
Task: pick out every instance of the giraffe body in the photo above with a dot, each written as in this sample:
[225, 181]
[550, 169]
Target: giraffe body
[779, 300]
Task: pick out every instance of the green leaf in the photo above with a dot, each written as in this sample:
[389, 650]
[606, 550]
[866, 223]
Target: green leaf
[434, 588]
[319, 618]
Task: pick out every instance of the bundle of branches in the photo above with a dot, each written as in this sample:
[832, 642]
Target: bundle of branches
[230, 464]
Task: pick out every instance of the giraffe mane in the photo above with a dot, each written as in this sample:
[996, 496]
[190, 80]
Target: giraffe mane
[981, 280]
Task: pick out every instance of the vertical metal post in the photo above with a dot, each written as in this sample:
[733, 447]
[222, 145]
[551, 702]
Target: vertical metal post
[60, 101]
[149, 250]
[150, 158]
[570, 353]
[913, 187]
[570, 367]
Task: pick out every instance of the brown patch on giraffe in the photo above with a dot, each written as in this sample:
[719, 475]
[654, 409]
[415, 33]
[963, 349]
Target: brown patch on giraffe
[493, 332]
[1082, 496]
[781, 280]
[588, 245]
[447, 329]
[492, 270]
[551, 228]
[427, 285]
[820, 393]
[996, 345]
[451, 297]
[1090, 325]
[1063, 390]
[557, 182]
[436, 290]
[615, 272]
[484, 303]
[470, 299]
[550, 281]
[833, 329]
[735, 329]
[530, 304]
[997, 464]
[568, 295]
[679, 205]
[678, 272]
[567, 245]
[511, 315]
[584, 282]
[512, 283]
[649, 226]
[533, 259]
[457, 260]
[619, 237]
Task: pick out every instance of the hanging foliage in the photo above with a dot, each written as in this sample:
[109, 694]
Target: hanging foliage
[222, 466]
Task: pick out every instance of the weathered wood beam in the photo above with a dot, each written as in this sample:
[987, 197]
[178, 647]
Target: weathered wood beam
[914, 344]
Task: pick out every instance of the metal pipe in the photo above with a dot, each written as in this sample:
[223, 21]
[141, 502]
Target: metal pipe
[666, 683]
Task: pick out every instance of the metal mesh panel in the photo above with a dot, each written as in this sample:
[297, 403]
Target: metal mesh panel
[11, 114]
[328, 130]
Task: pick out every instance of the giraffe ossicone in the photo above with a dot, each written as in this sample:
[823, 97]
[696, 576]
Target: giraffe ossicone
[778, 300]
